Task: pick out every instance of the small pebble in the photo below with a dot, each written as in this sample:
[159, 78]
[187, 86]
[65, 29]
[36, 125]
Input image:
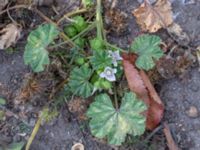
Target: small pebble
[192, 112]
[77, 146]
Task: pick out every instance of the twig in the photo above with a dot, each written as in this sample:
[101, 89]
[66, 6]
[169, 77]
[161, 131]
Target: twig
[11, 16]
[54, 9]
[60, 85]
[64, 37]
[71, 14]
[115, 47]
[153, 133]
[14, 7]
[41, 15]
[34, 132]
[171, 144]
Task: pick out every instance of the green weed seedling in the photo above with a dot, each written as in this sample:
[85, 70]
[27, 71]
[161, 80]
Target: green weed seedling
[96, 69]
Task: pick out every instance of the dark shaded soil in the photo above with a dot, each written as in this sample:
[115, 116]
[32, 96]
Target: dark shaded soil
[177, 94]
[62, 133]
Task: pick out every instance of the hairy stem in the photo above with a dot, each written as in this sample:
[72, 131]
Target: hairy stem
[115, 97]
[115, 47]
[89, 28]
[73, 13]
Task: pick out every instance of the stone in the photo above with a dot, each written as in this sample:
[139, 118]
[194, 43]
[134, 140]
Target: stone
[192, 112]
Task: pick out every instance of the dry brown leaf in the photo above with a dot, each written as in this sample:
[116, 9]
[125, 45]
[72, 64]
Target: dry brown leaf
[9, 35]
[152, 18]
[135, 81]
[139, 83]
[3, 3]
[178, 34]
[156, 107]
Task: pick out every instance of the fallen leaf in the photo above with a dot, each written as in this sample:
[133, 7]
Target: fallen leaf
[132, 76]
[170, 141]
[156, 107]
[3, 3]
[139, 83]
[178, 34]
[9, 35]
[152, 18]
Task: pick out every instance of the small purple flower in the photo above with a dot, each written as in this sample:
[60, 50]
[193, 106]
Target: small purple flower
[115, 57]
[109, 74]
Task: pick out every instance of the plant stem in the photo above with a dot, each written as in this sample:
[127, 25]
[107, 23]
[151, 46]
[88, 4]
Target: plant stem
[115, 47]
[73, 13]
[115, 97]
[33, 134]
[99, 20]
[62, 35]
[89, 28]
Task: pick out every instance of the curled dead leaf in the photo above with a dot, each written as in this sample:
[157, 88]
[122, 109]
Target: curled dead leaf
[152, 18]
[139, 83]
[132, 76]
[156, 108]
[9, 36]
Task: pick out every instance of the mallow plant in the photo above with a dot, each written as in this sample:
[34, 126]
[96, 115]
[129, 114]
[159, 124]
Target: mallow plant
[97, 72]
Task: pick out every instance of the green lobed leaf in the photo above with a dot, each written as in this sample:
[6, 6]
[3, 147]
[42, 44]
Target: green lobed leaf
[100, 60]
[114, 124]
[79, 81]
[35, 53]
[147, 47]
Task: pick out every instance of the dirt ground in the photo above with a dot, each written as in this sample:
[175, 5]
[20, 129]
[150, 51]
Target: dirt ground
[179, 92]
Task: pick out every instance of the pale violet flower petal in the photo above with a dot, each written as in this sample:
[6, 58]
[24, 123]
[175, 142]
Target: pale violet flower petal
[114, 62]
[115, 57]
[111, 78]
[109, 74]
[102, 75]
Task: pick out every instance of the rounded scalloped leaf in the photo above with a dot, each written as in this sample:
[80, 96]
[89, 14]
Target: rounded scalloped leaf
[35, 53]
[100, 60]
[79, 81]
[114, 124]
[147, 48]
